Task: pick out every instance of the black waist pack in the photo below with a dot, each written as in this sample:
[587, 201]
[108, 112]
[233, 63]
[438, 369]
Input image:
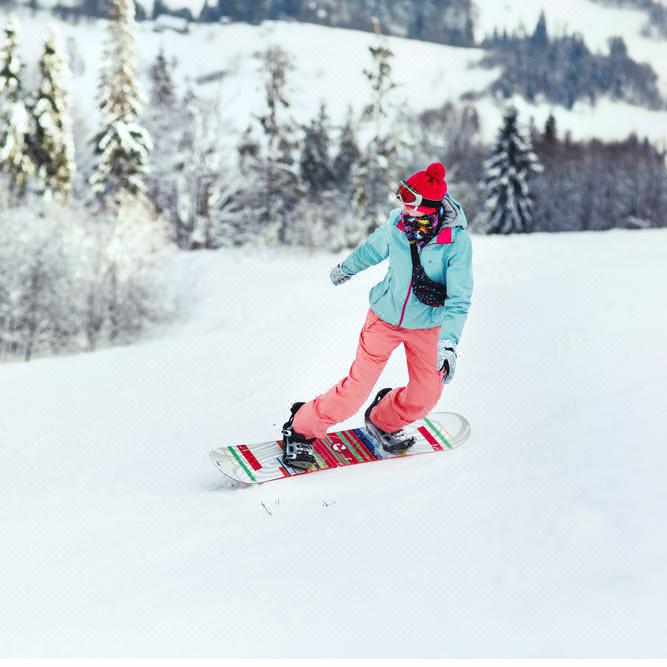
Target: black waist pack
[426, 290]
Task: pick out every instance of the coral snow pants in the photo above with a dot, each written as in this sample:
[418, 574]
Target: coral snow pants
[401, 406]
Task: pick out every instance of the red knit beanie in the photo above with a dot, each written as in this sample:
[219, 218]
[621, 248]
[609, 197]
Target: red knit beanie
[429, 184]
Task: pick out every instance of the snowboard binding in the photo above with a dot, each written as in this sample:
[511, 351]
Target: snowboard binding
[298, 448]
[391, 442]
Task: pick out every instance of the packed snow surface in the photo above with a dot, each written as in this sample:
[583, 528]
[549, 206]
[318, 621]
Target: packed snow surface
[542, 536]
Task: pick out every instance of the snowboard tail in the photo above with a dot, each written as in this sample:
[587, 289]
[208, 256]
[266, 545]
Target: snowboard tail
[262, 462]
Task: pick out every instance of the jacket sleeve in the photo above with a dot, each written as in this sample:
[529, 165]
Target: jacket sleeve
[372, 251]
[459, 287]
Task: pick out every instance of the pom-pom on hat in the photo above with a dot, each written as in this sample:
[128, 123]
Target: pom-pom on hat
[430, 184]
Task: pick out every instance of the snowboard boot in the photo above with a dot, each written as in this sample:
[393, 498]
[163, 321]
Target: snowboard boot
[391, 442]
[298, 448]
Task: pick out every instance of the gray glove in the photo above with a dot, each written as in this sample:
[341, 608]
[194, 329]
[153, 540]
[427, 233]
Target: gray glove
[338, 276]
[447, 359]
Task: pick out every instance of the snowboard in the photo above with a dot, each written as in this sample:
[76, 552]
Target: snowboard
[262, 462]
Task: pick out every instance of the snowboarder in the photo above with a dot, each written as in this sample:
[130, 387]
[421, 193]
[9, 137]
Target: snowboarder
[422, 302]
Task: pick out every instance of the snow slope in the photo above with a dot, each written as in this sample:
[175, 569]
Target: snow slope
[543, 536]
[330, 61]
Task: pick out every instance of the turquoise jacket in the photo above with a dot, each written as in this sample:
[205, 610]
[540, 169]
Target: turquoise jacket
[447, 259]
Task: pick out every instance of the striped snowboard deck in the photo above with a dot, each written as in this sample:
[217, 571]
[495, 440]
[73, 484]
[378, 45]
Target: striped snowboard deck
[262, 462]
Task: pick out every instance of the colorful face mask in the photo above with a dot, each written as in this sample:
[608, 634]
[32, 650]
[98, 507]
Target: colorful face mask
[420, 229]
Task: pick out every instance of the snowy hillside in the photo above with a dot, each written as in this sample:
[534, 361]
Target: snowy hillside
[540, 537]
[596, 22]
[329, 65]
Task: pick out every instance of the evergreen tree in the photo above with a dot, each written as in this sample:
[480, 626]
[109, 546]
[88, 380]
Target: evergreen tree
[374, 176]
[163, 90]
[15, 124]
[281, 184]
[315, 164]
[318, 221]
[540, 38]
[166, 123]
[508, 205]
[123, 144]
[348, 153]
[185, 201]
[616, 68]
[253, 175]
[198, 172]
[53, 141]
[210, 13]
[577, 78]
[550, 130]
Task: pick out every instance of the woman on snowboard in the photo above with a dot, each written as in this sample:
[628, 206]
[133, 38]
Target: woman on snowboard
[422, 302]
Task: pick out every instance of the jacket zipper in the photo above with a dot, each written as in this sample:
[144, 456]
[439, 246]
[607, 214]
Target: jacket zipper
[407, 296]
[405, 303]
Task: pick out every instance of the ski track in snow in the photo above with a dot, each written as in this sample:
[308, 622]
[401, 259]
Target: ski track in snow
[540, 537]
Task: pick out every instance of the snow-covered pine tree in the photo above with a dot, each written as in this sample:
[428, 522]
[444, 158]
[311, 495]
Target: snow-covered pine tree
[199, 172]
[347, 154]
[315, 164]
[188, 173]
[15, 123]
[316, 221]
[10, 61]
[233, 195]
[508, 204]
[374, 173]
[281, 184]
[53, 141]
[248, 195]
[123, 144]
[166, 125]
[184, 195]
[225, 207]
[163, 90]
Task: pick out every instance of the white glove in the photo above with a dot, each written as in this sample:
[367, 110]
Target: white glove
[338, 276]
[447, 359]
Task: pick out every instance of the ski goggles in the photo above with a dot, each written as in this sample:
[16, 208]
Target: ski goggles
[410, 197]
